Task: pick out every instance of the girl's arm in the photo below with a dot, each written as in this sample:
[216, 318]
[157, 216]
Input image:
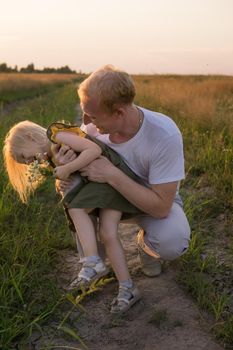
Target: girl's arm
[89, 151]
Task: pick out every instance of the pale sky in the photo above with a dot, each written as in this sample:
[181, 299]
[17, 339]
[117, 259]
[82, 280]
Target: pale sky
[139, 36]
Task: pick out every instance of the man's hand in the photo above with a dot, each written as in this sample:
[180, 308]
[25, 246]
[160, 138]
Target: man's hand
[99, 170]
[63, 154]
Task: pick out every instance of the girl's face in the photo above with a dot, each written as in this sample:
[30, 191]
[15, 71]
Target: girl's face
[32, 151]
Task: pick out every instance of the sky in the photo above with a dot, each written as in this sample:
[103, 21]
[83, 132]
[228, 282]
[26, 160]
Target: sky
[139, 36]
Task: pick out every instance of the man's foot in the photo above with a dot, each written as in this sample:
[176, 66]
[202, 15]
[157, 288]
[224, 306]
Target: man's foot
[89, 273]
[151, 265]
[126, 298]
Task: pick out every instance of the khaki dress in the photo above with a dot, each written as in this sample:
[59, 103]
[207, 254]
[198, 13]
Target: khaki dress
[89, 194]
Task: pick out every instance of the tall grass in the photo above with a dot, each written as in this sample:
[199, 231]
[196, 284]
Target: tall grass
[16, 86]
[203, 109]
[32, 235]
[199, 99]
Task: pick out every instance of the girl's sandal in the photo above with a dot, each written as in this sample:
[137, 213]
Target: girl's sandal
[125, 299]
[89, 273]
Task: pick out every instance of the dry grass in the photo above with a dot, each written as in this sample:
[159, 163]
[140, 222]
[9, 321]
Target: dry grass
[194, 97]
[15, 81]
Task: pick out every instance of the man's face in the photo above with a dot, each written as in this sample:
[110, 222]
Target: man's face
[92, 113]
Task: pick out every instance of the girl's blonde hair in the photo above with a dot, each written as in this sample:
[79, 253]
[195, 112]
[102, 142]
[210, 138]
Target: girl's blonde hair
[18, 139]
[110, 85]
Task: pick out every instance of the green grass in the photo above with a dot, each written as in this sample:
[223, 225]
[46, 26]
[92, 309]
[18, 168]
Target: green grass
[10, 96]
[159, 318]
[17, 86]
[32, 235]
[208, 195]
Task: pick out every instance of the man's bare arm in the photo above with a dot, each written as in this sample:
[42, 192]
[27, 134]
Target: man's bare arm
[155, 201]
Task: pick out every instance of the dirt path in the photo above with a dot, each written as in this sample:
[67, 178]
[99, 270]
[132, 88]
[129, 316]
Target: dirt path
[165, 319]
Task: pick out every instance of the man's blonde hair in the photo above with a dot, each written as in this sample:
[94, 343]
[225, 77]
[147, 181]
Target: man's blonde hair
[19, 138]
[111, 86]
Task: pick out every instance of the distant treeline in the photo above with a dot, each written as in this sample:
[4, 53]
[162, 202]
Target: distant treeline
[31, 69]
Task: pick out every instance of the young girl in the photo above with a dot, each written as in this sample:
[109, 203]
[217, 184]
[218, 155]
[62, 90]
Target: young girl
[26, 142]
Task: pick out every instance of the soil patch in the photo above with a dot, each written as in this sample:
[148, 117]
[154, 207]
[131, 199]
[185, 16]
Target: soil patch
[164, 319]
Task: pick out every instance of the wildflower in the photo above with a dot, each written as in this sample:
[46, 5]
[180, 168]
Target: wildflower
[39, 169]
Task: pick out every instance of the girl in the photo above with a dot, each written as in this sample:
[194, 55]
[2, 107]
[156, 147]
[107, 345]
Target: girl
[26, 142]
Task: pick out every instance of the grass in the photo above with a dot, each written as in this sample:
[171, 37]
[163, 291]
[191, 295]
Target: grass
[32, 235]
[203, 109]
[159, 318]
[18, 86]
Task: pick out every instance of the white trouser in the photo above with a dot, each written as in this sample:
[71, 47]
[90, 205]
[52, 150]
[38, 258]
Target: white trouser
[168, 237]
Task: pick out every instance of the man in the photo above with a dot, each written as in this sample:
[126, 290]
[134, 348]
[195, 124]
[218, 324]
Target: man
[151, 145]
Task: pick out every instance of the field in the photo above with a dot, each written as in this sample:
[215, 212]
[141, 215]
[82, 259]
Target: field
[16, 86]
[35, 237]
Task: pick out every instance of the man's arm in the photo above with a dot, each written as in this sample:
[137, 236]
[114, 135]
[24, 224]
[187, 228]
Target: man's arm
[155, 201]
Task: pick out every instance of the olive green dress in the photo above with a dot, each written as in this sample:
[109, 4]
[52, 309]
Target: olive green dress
[89, 194]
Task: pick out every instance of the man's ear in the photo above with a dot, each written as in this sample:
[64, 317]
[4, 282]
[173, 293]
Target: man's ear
[119, 112]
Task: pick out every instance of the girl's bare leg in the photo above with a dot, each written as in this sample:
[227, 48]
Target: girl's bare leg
[93, 268]
[108, 231]
[86, 231]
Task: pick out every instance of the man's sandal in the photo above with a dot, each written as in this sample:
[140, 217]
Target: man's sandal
[125, 299]
[89, 273]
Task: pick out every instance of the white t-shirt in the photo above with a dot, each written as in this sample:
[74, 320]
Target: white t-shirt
[155, 153]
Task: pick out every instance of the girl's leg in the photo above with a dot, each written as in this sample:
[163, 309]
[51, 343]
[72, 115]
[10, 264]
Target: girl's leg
[108, 231]
[128, 294]
[85, 230]
[93, 267]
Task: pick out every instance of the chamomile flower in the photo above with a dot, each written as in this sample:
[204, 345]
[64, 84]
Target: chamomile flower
[39, 169]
